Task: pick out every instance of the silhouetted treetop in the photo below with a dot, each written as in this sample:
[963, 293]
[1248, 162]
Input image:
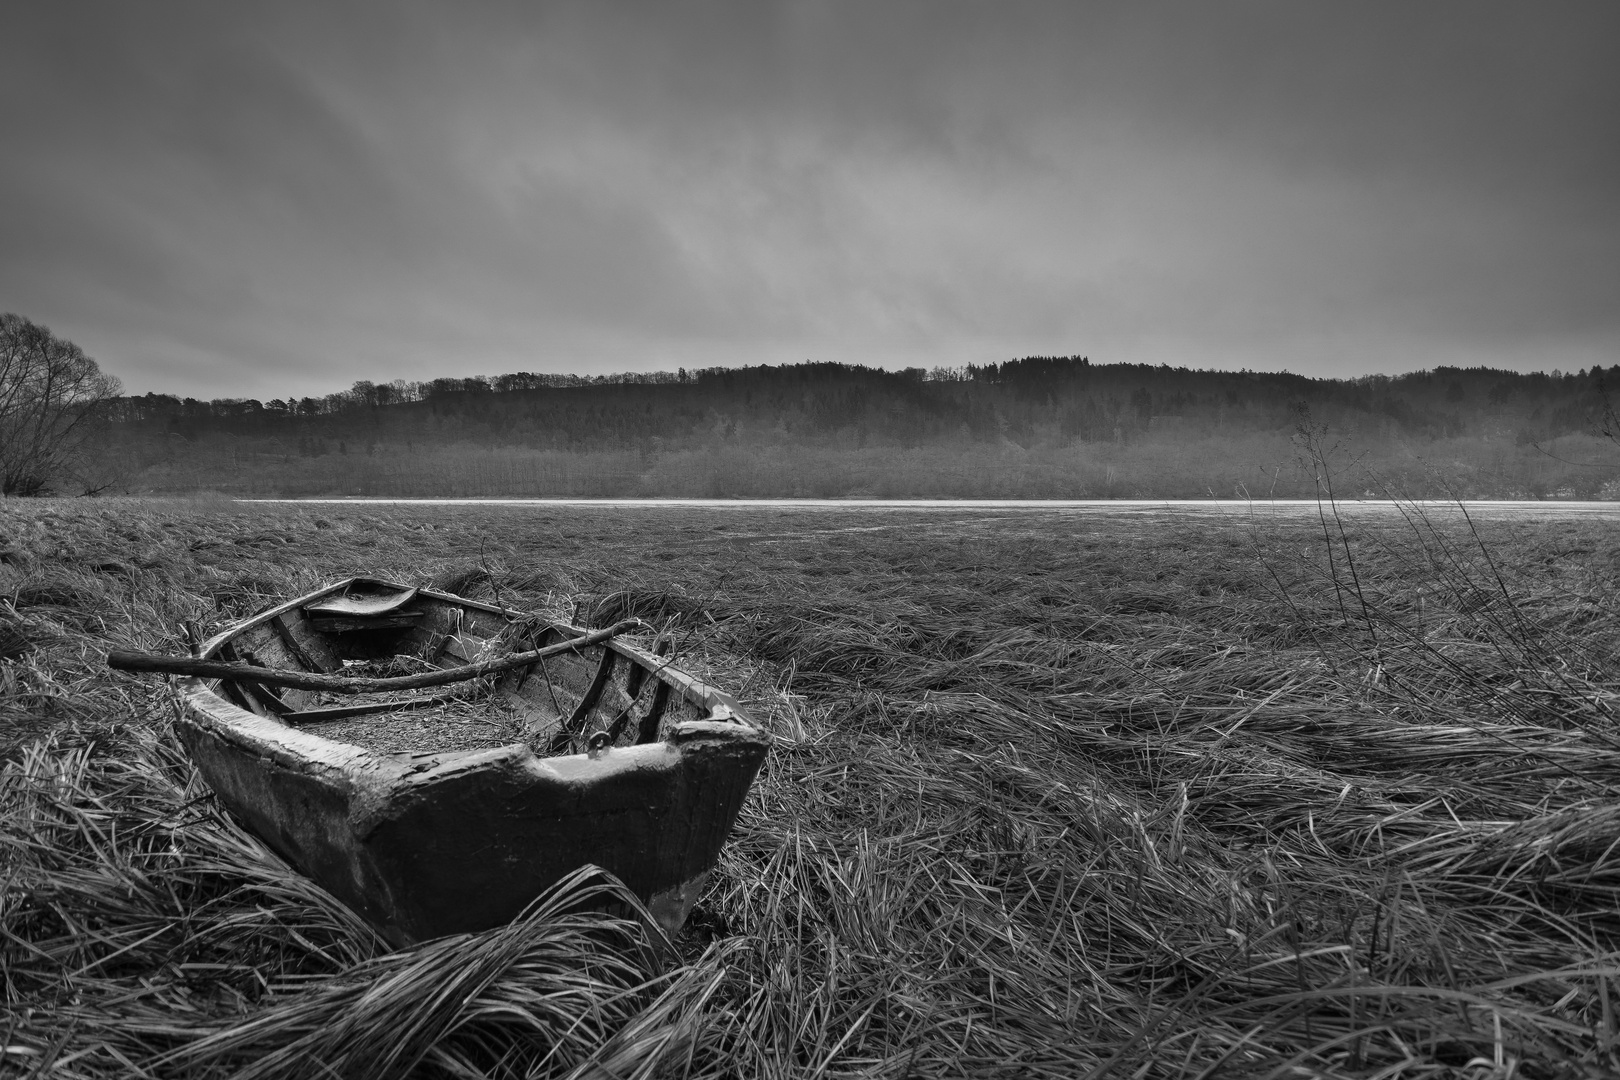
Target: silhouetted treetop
[1036, 400]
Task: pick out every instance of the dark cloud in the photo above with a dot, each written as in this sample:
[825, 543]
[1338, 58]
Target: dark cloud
[218, 201]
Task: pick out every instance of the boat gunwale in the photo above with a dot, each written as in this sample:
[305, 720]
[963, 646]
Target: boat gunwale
[267, 734]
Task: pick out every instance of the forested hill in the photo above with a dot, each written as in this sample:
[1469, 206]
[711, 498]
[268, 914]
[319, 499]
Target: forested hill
[1047, 409]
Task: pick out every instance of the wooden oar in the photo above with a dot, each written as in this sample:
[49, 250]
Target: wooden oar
[338, 684]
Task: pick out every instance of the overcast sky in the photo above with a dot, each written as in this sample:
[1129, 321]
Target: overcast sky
[234, 200]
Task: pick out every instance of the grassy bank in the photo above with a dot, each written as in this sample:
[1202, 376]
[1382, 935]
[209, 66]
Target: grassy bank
[1052, 796]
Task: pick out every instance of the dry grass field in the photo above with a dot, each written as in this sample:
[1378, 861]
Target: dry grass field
[1050, 796]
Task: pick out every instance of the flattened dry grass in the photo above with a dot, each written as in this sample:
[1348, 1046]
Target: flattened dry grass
[1051, 796]
[146, 934]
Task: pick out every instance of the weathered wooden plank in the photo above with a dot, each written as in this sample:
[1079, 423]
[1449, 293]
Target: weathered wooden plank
[568, 729]
[539, 719]
[254, 698]
[544, 637]
[648, 731]
[638, 674]
[593, 693]
[428, 637]
[364, 605]
[311, 652]
[485, 624]
[339, 712]
[344, 624]
[460, 648]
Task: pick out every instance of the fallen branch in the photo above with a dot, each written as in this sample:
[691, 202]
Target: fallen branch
[338, 684]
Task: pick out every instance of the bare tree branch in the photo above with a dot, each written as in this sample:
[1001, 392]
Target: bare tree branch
[51, 395]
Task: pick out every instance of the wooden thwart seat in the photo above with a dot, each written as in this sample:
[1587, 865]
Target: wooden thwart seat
[363, 611]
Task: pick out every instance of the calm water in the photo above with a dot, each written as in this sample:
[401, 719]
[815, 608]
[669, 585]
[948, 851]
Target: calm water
[1179, 507]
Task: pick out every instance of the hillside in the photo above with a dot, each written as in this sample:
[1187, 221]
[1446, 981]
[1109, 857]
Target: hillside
[1041, 426]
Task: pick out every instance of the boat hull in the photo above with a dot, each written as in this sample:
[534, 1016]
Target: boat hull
[431, 844]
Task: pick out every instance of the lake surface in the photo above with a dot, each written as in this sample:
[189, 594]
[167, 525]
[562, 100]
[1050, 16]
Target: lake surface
[1179, 507]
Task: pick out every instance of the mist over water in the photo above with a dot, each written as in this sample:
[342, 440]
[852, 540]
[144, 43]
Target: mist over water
[1290, 508]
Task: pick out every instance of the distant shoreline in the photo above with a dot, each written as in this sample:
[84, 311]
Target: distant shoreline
[1520, 506]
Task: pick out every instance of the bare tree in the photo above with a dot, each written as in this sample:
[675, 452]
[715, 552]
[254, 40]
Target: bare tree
[1609, 423]
[51, 395]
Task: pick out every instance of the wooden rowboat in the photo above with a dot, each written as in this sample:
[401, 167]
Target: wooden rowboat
[436, 813]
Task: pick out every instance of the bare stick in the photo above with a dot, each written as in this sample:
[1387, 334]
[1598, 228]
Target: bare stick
[337, 684]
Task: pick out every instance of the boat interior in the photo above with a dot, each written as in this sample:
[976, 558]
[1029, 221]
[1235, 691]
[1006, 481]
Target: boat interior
[583, 699]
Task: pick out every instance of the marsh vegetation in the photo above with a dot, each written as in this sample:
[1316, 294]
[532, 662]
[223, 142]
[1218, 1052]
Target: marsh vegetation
[1050, 796]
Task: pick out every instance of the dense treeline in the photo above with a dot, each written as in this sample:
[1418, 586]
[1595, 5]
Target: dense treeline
[1051, 417]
